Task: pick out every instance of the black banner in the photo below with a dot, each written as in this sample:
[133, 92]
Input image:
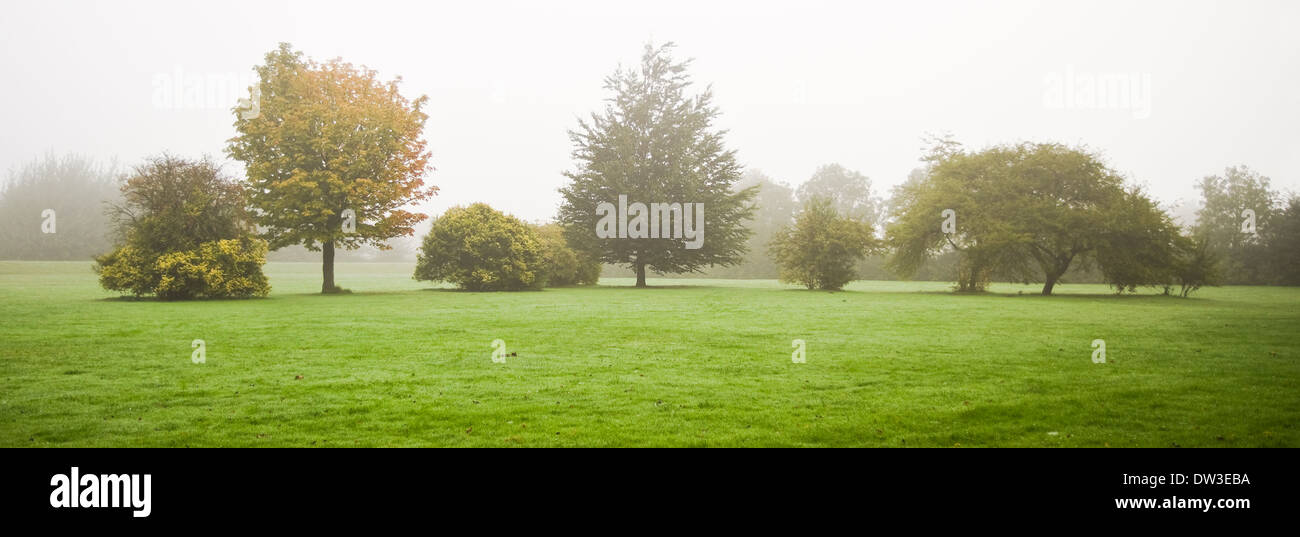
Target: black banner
[308, 488]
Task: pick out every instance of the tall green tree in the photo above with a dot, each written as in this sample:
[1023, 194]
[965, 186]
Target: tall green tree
[332, 155]
[654, 143]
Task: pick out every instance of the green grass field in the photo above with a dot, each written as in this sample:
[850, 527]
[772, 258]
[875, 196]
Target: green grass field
[689, 363]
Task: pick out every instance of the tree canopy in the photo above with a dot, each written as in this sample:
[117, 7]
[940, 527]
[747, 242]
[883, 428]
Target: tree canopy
[332, 155]
[654, 143]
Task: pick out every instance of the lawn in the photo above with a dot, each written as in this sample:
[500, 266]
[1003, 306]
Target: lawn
[687, 363]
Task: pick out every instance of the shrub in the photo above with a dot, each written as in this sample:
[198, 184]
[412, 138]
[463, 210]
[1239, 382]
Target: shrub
[561, 265]
[229, 268]
[821, 248]
[185, 234]
[128, 269]
[220, 269]
[479, 248]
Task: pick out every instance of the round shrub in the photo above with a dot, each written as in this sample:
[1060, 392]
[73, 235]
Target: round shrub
[561, 265]
[821, 248]
[479, 248]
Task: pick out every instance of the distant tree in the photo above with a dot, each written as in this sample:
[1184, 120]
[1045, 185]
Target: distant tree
[479, 248]
[1281, 238]
[70, 192]
[774, 208]
[561, 265]
[849, 191]
[819, 250]
[184, 232]
[1219, 221]
[329, 138]
[655, 144]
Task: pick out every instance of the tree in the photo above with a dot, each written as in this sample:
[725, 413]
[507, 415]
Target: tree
[849, 191]
[53, 208]
[184, 232]
[654, 144]
[975, 193]
[1282, 240]
[332, 155]
[820, 249]
[479, 248]
[1068, 203]
[1140, 245]
[561, 266]
[1196, 266]
[774, 208]
[1012, 209]
[1219, 221]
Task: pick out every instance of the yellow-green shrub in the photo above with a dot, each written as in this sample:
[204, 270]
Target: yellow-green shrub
[230, 268]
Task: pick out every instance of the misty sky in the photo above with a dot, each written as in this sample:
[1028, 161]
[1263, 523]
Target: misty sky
[1169, 91]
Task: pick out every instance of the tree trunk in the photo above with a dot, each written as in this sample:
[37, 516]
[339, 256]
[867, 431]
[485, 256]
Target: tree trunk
[1051, 282]
[327, 268]
[640, 274]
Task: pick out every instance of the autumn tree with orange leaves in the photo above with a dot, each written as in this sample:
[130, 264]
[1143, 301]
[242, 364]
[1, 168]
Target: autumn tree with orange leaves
[332, 156]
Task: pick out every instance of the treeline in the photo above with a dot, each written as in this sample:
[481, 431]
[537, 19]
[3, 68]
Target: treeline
[1266, 252]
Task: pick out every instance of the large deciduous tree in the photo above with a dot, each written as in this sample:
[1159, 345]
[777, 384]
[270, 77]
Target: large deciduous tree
[654, 143]
[332, 155]
[1029, 206]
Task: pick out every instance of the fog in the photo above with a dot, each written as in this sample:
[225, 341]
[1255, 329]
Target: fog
[1168, 91]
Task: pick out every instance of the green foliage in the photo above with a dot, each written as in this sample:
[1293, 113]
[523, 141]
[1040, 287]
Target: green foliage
[330, 137]
[481, 249]
[76, 189]
[1030, 212]
[1196, 266]
[1140, 244]
[820, 249]
[1219, 221]
[562, 266]
[171, 204]
[185, 234]
[229, 268]
[128, 269]
[983, 191]
[655, 144]
[1282, 239]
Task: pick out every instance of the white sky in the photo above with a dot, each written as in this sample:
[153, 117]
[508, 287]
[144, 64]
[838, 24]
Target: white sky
[799, 83]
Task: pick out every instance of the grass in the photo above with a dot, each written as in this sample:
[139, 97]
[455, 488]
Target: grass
[690, 363]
